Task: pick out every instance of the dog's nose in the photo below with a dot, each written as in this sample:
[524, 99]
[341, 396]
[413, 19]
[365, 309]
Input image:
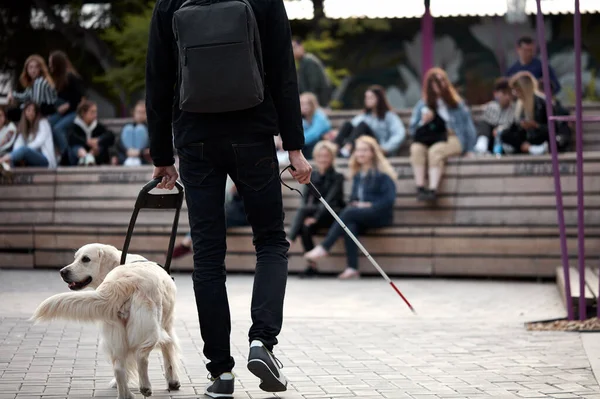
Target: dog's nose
[64, 273]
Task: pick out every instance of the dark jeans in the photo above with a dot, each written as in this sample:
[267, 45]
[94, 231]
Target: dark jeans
[358, 220]
[28, 156]
[252, 164]
[487, 130]
[306, 232]
[515, 136]
[348, 133]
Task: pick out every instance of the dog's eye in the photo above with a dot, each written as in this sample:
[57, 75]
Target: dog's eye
[85, 259]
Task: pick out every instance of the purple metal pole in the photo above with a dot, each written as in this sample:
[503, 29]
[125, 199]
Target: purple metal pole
[427, 41]
[579, 149]
[541, 32]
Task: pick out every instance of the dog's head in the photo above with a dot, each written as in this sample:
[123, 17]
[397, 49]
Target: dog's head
[91, 265]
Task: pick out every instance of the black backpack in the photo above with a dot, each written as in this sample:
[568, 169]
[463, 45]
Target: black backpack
[220, 58]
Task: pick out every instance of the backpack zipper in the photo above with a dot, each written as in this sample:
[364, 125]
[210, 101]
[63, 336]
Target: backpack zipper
[204, 45]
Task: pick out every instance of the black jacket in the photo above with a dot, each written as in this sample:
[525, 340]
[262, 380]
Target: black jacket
[106, 138]
[331, 187]
[278, 113]
[73, 91]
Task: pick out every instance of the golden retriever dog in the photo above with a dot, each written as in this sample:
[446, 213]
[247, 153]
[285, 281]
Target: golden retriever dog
[134, 304]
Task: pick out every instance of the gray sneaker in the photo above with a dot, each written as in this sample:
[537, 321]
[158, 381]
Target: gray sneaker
[265, 366]
[221, 387]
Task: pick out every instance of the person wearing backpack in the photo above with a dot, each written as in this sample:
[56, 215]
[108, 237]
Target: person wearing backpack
[220, 83]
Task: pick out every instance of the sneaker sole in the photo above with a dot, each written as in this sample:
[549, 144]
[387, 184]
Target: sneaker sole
[219, 395]
[270, 382]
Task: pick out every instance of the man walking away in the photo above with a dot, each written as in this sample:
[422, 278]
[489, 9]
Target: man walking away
[312, 76]
[221, 82]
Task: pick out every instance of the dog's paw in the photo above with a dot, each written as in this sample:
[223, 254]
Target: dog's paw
[127, 395]
[174, 385]
[112, 383]
[146, 391]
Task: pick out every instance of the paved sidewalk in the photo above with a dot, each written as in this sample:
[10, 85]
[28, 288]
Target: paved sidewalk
[340, 340]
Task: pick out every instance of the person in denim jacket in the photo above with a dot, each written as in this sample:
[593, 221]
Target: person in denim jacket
[371, 202]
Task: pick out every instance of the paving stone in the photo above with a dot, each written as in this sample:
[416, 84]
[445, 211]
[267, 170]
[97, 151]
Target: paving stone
[467, 342]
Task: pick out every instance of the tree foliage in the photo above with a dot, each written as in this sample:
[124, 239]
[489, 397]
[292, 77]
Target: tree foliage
[130, 45]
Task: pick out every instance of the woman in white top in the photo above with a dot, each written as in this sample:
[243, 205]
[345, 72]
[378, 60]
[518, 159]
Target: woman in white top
[34, 145]
[8, 133]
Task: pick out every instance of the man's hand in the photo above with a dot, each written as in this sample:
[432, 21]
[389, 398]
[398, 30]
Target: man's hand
[62, 109]
[169, 176]
[310, 221]
[302, 168]
[92, 143]
[427, 117]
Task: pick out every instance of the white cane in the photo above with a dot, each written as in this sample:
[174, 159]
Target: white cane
[318, 195]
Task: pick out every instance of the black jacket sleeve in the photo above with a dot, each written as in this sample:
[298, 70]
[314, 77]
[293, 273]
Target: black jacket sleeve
[161, 75]
[76, 91]
[106, 138]
[332, 195]
[76, 136]
[281, 78]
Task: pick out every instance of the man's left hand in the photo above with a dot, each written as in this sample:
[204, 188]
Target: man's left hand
[169, 176]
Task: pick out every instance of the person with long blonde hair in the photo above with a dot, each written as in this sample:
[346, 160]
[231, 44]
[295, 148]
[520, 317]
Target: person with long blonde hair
[442, 127]
[38, 88]
[371, 202]
[529, 132]
[312, 214]
[314, 121]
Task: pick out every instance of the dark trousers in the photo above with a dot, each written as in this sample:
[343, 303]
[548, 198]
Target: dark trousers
[358, 220]
[305, 232]
[515, 136]
[252, 164]
[487, 130]
[348, 133]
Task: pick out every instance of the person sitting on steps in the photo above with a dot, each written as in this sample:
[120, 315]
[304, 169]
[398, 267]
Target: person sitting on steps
[371, 203]
[377, 120]
[312, 214]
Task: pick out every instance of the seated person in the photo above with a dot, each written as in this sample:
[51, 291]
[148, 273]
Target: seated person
[314, 121]
[235, 215]
[499, 112]
[377, 120]
[8, 133]
[441, 127]
[89, 140]
[133, 145]
[38, 88]
[34, 145]
[312, 214]
[70, 90]
[528, 133]
[371, 202]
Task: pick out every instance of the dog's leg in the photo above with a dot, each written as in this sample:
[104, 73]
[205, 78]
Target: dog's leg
[114, 342]
[170, 352]
[120, 368]
[142, 365]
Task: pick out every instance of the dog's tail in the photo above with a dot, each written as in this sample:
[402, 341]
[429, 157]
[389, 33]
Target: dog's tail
[80, 306]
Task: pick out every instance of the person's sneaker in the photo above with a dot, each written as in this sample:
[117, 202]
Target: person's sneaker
[421, 194]
[266, 367]
[221, 387]
[430, 195]
[310, 271]
[539, 149]
[180, 250]
[89, 160]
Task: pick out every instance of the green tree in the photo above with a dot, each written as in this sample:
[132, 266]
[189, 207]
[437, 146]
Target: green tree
[129, 46]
